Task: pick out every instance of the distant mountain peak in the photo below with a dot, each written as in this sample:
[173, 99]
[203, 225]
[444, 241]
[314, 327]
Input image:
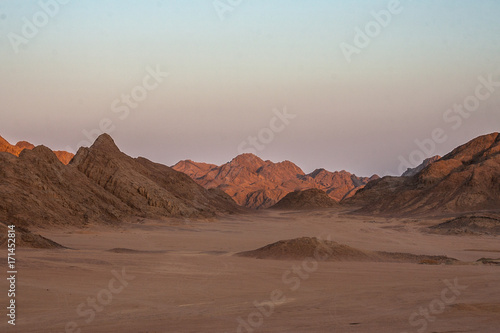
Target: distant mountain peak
[248, 158]
[25, 145]
[105, 142]
[255, 183]
[21, 146]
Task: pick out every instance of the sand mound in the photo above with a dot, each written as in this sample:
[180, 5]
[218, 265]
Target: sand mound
[472, 225]
[131, 251]
[301, 248]
[312, 247]
[27, 239]
[489, 261]
[307, 199]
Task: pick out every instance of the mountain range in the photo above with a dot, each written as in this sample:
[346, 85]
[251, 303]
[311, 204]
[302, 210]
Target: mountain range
[255, 183]
[101, 184]
[63, 156]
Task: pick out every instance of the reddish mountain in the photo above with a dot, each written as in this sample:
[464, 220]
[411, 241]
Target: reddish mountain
[196, 170]
[466, 179]
[339, 184]
[16, 149]
[255, 183]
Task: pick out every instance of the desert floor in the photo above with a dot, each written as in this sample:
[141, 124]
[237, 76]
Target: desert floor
[181, 276]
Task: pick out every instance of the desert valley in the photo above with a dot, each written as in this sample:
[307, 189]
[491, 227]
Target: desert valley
[110, 243]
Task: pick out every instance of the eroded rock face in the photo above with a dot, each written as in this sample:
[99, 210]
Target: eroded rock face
[306, 199]
[100, 185]
[37, 189]
[466, 179]
[148, 188]
[255, 183]
[5, 146]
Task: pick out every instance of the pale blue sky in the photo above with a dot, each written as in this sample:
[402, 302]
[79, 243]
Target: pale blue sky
[225, 77]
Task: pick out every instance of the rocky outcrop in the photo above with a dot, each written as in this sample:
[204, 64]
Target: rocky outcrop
[100, 185]
[37, 189]
[148, 188]
[466, 179]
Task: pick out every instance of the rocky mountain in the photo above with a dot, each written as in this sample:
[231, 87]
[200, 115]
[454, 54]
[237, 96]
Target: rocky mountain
[410, 172]
[466, 179]
[339, 184]
[307, 199]
[255, 183]
[64, 156]
[100, 185]
[37, 189]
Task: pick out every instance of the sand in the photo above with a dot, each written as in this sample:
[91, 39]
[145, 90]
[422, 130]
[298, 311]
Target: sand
[187, 279]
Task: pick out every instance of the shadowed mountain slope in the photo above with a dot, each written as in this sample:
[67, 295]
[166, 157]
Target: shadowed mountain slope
[466, 179]
[100, 185]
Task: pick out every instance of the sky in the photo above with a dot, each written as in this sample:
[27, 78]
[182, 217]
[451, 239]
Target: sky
[371, 87]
